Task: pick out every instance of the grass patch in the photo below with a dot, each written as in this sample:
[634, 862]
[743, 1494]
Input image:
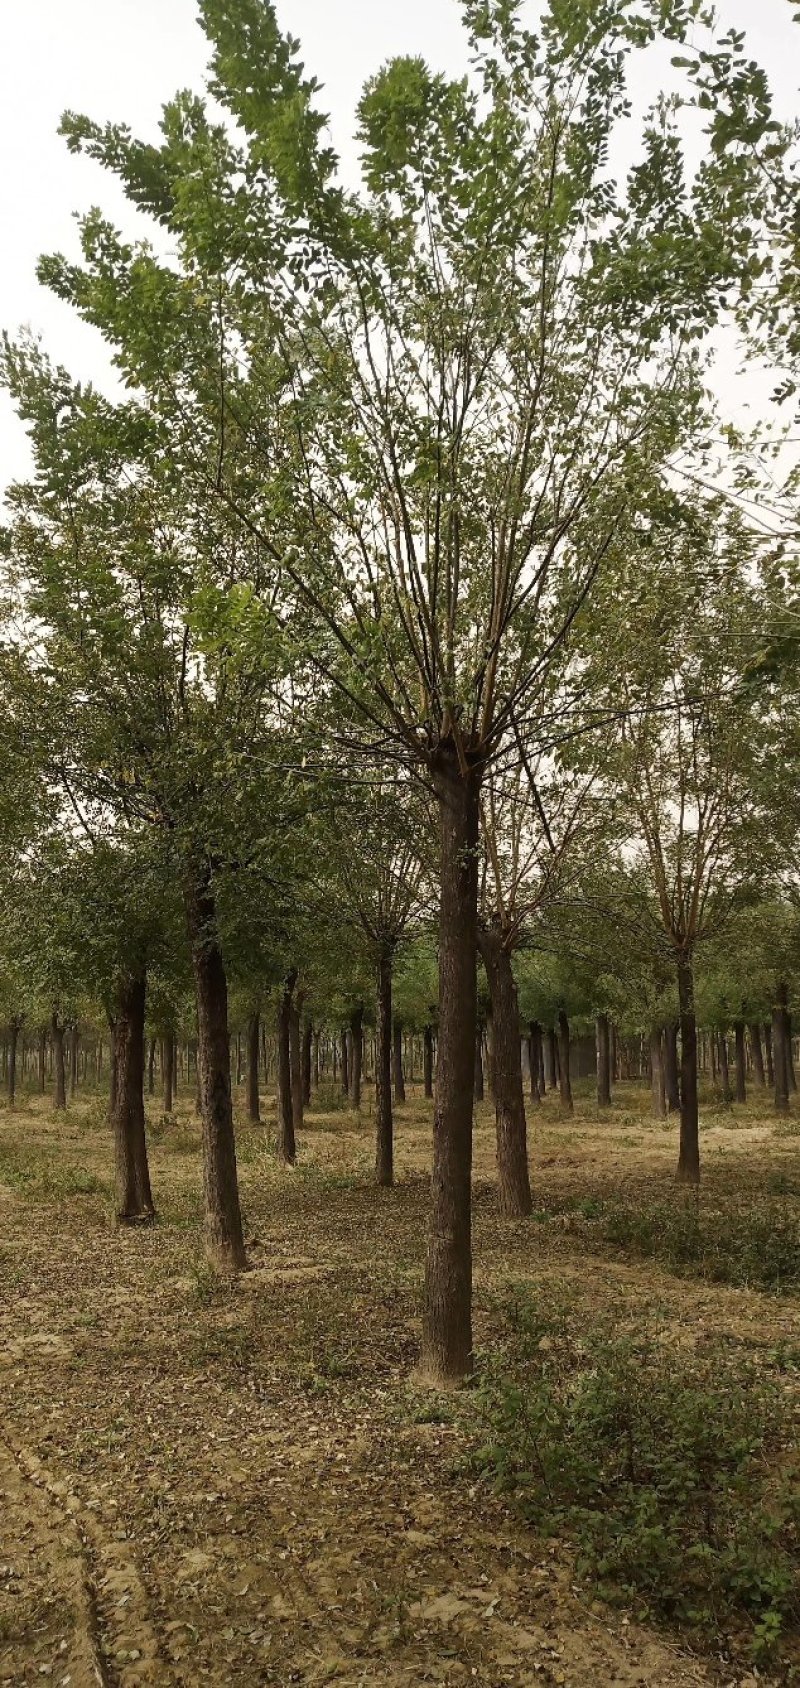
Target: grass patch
[667, 1475]
[40, 1181]
[750, 1247]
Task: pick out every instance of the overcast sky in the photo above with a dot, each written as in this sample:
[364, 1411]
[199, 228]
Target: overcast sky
[121, 59]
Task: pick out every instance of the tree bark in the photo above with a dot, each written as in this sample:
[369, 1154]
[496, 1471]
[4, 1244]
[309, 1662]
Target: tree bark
[59, 1065]
[658, 1088]
[253, 1101]
[357, 1055]
[603, 1040]
[757, 1054]
[168, 1074]
[397, 1062]
[427, 1059]
[134, 1197]
[285, 1145]
[689, 1154]
[535, 1060]
[563, 1063]
[780, 1056]
[223, 1216]
[509, 1101]
[384, 1125]
[768, 1061]
[741, 1061]
[447, 1354]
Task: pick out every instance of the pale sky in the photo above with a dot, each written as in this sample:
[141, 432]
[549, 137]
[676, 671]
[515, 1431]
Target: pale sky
[121, 59]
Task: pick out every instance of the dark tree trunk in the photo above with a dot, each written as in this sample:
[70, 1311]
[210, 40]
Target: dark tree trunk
[658, 1088]
[477, 1086]
[253, 1104]
[724, 1069]
[535, 1060]
[447, 1321]
[780, 1054]
[427, 1060]
[308, 1040]
[296, 1063]
[509, 1101]
[357, 1055]
[168, 1073]
[768, 1054]
[757, 1054]
[223, 1216]
[603, 1040]
[563, 1063]
[13, 1039]
[397, 1062]
[345, 1065]
[133, 1194]
[550, 1058]
[384, 1146]
[741, 1061]
[59, 1065]
[671, 1068]
[285, 1142]
[689, 1155]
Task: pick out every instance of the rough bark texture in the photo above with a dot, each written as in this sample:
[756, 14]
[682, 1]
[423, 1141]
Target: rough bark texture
[513, 1179]
[134, 1199]
[563, 1063]
[168, 1072]
[427, 1060]
[658, 1089]
[356, 1055]
[757, 1055]
[285, 1146]
[447, 1355]
[398, 1076]
[223, 1216]
[780, 1052]
[741, 1061]
[671, 1068]
[603, 1040]
[689, 1155]
[59, 1065]
[253, 1100]
[384, 1146]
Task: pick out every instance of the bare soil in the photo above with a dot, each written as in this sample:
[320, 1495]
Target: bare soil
[221, 1482]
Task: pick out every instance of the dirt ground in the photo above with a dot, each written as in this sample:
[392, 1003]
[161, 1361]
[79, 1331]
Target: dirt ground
[238, 1483]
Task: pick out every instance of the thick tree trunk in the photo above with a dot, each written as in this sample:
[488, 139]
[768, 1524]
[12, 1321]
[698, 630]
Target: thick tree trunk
[397, 1062]
[563, 1063]
[427, 1060]
[356, 1056]
[535, 1060]
[59, 1065]
[780, 1053]
[223, 1216]
[285, 1145]
[689, 1155]
[308, 1041]
[447, 1321]
[253, 1102]
[478, 1087]
[658, 1088]
[603, 1041]
[724, 1069]
[168, 1073]
[509, 1101]
[296, 1063]
[133, 1194]
[757, 1054]
[741, 1061]
[384, 1145]
[11, 1076]
[345, 1065]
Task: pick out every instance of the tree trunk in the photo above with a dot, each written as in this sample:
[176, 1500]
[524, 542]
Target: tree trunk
[13, 1039]
[689, 1155]
[308, 1041]
[757, 1054]
[789, 1053]
[151, 1068]
[168, 1074]
[285, 1142]
[768, 1053]
[223, 1217]
[724, 1069]
[384, 1147]
[780, 1055]
[59, 1065]
[550, 1058]
[296, 1063]
[603, 1040]
[42, 1062]
[253, 1104]
[509, 1101]
[74, 1042]
[741, 1061]
[563, 1063]
[345, 1065]
[397, 1062]
[357, 1055]
[671, 1068]
[535, 1060]
[427, 1059]
[447, 1320]
[133, 1194]
[477, 1086]
[658, 1088]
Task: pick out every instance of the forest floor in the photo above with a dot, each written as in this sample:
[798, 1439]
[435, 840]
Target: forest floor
[238, 1483]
